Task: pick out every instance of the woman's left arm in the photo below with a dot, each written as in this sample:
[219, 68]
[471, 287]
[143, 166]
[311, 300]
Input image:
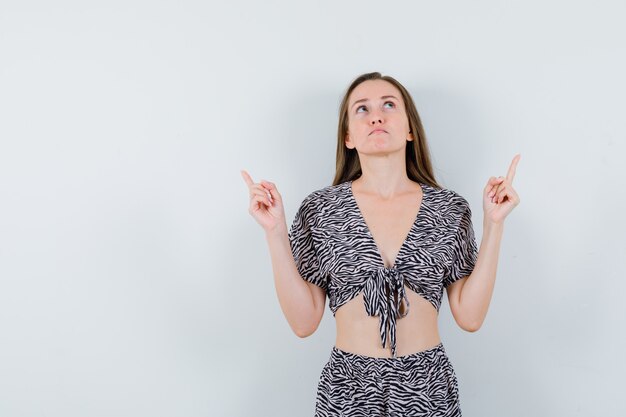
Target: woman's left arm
[469, 297]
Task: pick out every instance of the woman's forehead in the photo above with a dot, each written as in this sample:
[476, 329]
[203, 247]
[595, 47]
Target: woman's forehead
[373, 90]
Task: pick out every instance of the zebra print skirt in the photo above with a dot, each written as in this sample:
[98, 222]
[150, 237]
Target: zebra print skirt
[419, 384]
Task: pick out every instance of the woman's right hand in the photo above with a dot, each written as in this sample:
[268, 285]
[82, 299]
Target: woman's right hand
[266, 203]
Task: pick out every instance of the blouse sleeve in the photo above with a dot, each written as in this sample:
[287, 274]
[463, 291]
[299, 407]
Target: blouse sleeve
[464, 250]
[303, 246]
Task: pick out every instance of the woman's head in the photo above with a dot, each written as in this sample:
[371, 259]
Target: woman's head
[402, 122]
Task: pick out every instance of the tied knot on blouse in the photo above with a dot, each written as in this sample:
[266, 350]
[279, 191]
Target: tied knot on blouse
[383, 294]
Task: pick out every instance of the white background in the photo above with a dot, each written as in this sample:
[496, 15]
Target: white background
[133, 281]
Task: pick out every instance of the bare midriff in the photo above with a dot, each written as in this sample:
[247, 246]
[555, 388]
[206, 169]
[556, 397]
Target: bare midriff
[359, 333]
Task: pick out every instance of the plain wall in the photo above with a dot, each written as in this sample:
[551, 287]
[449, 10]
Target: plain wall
[133, 281]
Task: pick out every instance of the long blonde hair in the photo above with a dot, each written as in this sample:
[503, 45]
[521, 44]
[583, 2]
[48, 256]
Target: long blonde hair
[418, 165]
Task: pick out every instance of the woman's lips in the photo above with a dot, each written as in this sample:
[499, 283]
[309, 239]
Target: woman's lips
[378, 131]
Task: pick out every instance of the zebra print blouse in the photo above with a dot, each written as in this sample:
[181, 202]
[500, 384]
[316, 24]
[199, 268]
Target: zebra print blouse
[334, 249]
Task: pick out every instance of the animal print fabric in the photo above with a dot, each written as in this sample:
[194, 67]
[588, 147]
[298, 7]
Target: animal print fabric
[422, 384]
[334, 249]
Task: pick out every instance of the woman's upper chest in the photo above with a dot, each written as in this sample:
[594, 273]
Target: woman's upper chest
[356, 238]
[389, 222]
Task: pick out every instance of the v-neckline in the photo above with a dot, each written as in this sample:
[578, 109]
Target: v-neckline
[369, 233]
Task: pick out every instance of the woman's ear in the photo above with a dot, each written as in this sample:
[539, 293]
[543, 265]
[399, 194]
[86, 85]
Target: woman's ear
[348, 142]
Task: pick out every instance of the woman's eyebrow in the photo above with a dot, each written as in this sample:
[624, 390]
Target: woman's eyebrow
[365, 99]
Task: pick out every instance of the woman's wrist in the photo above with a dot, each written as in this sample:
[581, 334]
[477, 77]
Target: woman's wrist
[277, 231]
[490, 226]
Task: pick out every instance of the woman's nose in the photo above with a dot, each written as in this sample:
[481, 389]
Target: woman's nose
[375, 117]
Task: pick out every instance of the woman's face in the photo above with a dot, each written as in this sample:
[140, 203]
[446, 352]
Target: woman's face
[377, 121]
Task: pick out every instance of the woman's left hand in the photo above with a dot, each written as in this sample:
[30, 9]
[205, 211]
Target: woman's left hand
[499, 197]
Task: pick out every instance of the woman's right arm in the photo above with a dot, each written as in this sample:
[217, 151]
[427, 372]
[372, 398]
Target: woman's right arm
[302, 302]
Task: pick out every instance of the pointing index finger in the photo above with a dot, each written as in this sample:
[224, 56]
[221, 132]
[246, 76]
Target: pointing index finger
[247, 178]
[511, 174]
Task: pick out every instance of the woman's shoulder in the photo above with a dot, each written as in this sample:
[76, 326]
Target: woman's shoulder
[447, 198]
[328, 194]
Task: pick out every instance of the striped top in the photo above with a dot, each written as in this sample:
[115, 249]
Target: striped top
[334, 249]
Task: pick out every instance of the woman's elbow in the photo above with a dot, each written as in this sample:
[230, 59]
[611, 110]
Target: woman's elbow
[307, 327]
[303, 332]
[471, 327]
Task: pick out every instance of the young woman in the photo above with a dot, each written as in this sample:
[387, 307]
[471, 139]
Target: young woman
[382, 242]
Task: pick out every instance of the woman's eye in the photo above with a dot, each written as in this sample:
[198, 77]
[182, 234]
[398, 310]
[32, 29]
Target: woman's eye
[386, 102]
